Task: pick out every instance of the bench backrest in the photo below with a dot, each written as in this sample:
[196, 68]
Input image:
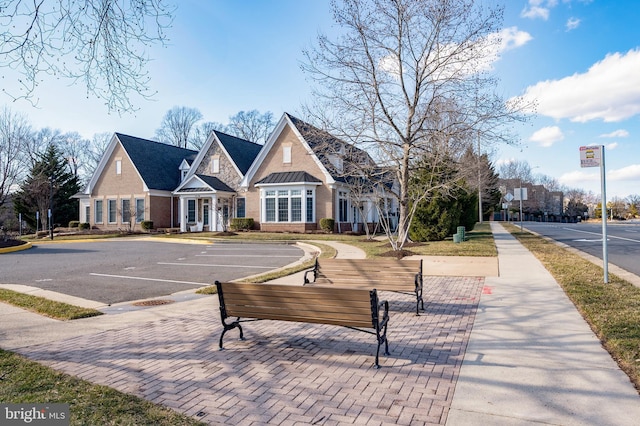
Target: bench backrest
[388, 269]
[324, 305]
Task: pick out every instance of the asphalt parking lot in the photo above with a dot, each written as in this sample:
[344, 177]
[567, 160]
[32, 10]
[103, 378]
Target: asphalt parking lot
[117, 271]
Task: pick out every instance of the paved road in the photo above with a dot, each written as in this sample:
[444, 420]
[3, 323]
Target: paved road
[124, 270]
[623, 240]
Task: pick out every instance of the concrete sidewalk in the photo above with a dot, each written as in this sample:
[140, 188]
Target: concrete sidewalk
[532, 359]
[500, 350]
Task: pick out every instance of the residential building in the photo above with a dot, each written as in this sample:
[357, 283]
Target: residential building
[299, 176]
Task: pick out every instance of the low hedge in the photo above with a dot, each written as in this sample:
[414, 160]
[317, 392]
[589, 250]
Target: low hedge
[241, 223]
[327, 224]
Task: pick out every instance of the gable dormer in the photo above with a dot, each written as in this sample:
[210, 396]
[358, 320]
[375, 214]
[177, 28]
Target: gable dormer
[184, 169]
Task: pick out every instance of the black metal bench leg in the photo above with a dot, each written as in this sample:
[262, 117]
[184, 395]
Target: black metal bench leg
[228, 327]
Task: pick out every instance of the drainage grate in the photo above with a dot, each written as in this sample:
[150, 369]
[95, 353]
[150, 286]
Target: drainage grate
[153, 302]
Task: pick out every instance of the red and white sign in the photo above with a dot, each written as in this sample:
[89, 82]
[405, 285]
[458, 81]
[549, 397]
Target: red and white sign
[591, 156]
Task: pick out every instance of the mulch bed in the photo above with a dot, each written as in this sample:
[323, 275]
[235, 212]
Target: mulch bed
[11, 243]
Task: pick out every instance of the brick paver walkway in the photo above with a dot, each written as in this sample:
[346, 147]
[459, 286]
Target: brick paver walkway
[287, 373]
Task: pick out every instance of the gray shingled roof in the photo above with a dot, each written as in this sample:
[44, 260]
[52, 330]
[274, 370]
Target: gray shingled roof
[157, 163]
[324, 144]
[289, 177]
[215, 183]
[241, 151]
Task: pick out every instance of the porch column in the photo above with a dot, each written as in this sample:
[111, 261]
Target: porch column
[182, 214]
[213, 218]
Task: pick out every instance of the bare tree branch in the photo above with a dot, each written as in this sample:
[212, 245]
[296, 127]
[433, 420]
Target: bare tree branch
[102, 43]
[407, 79]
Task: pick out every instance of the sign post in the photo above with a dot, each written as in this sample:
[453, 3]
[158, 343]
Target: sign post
[593, 156]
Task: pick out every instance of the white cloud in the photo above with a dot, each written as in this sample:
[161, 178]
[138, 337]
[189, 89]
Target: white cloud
[572, 23]
[547, 136]
[626, 173]
[609, 91]
[534, 12]
[538, 9]
[621, 133]
[579, 177]
[611, 146]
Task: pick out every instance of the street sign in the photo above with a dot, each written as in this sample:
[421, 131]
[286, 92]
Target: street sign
[520, 191]
[590, 156]
[509, 197]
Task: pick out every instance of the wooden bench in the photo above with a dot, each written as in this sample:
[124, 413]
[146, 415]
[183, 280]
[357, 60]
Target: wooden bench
[352, 308]
[404, 276]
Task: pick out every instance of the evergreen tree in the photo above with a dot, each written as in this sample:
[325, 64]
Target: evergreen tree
[49, 182]
[450, 205]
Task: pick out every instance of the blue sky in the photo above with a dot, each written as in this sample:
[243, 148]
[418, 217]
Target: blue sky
[579, 58]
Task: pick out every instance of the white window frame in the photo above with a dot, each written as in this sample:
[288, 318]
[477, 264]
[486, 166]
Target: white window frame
[286, 154]
[215, 165]
[244, 207]
[125, 212]
[139, 211]
[343, 206]
[97, 210]
[118, 167]
[195, 210]
[114, 202]
[281, 193]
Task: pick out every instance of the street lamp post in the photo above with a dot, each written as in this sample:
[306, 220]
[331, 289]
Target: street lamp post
[51, 206]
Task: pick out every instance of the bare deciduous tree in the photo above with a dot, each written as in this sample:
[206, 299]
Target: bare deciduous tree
[97, 147]
[178, 125]
[99, 42]
[251, 125]
[409, 78]
[14, 133]
[202, 131]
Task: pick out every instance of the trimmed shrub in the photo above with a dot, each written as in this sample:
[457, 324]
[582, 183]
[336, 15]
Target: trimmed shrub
[146, 225]
[241, 223]
[74, 223]
[327, 224]
[84, 225]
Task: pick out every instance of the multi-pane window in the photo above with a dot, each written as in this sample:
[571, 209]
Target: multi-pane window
[310, 208]
[241, 209]
[98, 212]
[286, 205]
[139, 210]
[283, 206]
[126, 210]
[111, 211]
[342, 207]
[270, 209]
[296, 205]
[191, 211]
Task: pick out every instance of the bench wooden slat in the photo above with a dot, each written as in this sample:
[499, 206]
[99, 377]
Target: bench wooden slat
[382, 274]
[348, 307]
[261, 312]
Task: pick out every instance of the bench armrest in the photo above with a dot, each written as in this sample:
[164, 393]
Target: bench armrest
[314, 270]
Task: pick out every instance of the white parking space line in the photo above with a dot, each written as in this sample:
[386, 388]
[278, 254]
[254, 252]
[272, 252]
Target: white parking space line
[219, 266]
[609, 236]
[149, 279]
[235, 255]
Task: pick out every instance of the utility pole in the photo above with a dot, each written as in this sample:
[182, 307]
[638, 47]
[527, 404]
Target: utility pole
[51, 206]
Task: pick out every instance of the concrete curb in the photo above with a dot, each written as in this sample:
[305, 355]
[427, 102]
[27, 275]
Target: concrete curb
[21, 247]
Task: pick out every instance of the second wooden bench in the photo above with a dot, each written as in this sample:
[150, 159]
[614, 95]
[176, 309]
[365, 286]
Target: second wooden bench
[404, 276]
